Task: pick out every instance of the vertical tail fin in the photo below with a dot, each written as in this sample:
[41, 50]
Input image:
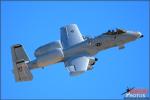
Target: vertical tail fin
[20, 60]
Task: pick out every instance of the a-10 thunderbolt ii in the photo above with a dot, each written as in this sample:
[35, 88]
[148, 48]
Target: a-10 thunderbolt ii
[73, 49]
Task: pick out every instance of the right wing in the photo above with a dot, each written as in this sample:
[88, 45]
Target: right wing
[70, 35]
[77, 65]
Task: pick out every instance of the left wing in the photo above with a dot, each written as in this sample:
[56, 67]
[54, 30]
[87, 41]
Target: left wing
[77, 65]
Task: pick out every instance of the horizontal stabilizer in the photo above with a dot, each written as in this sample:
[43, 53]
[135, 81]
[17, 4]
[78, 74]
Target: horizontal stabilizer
[20, 60]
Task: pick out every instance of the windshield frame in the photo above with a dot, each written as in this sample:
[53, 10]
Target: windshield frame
[117, 31]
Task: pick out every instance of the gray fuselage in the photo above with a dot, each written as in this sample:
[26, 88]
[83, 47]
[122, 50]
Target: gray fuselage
[92, 46]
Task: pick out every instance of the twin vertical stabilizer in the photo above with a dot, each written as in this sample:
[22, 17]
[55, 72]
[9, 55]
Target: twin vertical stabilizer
[20, 60]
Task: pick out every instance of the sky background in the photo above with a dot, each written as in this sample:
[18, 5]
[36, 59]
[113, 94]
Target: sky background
[33, 24]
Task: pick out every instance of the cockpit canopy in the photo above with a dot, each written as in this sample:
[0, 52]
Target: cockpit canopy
[114, 32]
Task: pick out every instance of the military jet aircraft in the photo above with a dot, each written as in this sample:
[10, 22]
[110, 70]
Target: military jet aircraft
[73, 49]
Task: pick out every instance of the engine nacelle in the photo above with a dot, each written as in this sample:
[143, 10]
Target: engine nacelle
[51, 57]
[46, 48]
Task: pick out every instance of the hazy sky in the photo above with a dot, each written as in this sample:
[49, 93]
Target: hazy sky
[36, 23]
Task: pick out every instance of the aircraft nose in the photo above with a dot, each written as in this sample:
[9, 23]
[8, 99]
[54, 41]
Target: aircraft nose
[141, 36]
[138, 35]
